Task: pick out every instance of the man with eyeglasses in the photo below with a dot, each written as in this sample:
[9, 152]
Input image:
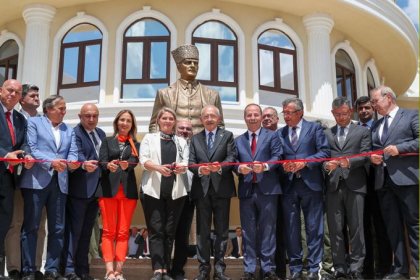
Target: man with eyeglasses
[186, 96]
[346, 181]
[303, 185]
[397, 177]
[82, 204]
[378, 260]
[181, 252]
[29, 103]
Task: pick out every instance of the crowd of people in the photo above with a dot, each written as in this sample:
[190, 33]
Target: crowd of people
[292, 181]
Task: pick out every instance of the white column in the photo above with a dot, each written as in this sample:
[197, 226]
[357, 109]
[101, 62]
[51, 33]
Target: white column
[38, 18]
[318, 27]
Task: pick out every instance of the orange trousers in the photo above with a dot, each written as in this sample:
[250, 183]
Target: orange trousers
[116, 220]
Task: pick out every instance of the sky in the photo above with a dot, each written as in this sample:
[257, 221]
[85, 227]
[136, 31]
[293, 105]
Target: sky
[411, 8]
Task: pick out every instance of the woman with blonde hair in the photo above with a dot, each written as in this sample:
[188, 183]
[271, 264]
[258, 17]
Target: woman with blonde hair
[165, 158]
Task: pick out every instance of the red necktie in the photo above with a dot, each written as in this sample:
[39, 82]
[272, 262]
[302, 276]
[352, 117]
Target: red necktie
[253, 149]
[12, 134]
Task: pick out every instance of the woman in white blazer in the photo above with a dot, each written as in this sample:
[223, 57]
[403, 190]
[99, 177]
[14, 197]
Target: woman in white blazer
[164, 157]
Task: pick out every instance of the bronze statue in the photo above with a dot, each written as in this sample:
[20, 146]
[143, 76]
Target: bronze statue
[186, 96]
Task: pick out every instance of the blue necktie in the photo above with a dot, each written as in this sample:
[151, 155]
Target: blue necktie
[210, 142]
[294, 138]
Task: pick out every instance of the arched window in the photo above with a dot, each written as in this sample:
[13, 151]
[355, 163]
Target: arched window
[145, 66]
[370, 80]
[218, 48]
[277, 62]
[80, 63]
[345, 76]
[9, 53]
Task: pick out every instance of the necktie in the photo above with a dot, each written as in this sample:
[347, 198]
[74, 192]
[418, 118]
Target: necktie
[253, 149]
[341, 137]
[294, 138]
[210, 142]
[95, 141]
[12, 133]
[253, 143]
[385, 129]
[364, 124]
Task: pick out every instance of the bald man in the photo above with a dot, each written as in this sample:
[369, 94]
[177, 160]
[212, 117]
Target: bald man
[82, 205]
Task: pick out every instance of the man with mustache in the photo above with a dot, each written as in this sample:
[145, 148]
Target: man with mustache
[186, 96]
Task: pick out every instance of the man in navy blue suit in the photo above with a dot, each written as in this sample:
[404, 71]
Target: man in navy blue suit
[82, 205]
[13, 144]
[258, 192]
[397, 177]
[303, 185]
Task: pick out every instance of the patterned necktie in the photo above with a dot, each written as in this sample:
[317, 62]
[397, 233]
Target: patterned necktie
[294, 138]
[253, 150]
[341, 137]
[385, 129]
[95, 141]
[210, 142]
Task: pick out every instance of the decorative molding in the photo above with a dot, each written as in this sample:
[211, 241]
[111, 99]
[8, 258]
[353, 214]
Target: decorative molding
[216, 14]
[147, 12]
[278, 24]
[81, 17]
[5, 36]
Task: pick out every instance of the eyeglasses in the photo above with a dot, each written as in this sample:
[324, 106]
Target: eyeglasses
[376, 101]
[340, 115]
[285, 113]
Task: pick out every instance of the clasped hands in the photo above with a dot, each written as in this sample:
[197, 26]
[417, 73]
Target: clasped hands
[391, 150]
[208, 168]
[293, 167]
[114, 164]
[60, 165]
[20, 154]
[256, 167]
[333, 164]
[169, 169]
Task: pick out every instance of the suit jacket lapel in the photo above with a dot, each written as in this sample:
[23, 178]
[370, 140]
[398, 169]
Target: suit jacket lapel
[89, 140]
[48, 128]
[17, 125]
[285, 136]
[156, 142]
[245, 143]
[303, 131]
[202, 141]
[394, 123]
[334, 130]
[351, 128]
[261, 139]
[217, 138]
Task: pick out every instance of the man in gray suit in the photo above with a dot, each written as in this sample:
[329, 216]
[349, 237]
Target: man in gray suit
[346, 189]
[212, 188]
[397, 176]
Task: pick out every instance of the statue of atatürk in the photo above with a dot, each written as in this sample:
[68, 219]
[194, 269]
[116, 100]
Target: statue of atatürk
[186, 96]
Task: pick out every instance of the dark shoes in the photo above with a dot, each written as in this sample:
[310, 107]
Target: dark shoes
[87, 277]
[166, 276]
[28, 276]
[2, 277]
[395, 276]
[72, 276]
[53, 275]
[312, 276]
[356, 276]
[220, 276]
[157, 276]
[296, 276]
[248, 276]
[340, 275]
[202, 276]
[39, 275]
[271, 276]
[14, 274]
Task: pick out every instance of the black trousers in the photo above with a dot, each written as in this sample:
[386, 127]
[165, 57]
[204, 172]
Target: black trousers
[211, 207]
[162, 216]
[400, 208]
[7, 191]
[182, 237]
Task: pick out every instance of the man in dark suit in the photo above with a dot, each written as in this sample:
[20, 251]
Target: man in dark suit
[397, 176]
[46, 185]
[258, 192]
[181, 250]
[303, 186]
[82, 205]
[346, 188]
[237, 244]
[13, 145]
[378, 259]
[212, 188]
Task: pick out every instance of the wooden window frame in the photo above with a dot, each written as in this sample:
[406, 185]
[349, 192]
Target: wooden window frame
[346, 72]
[8, 65]
[147, 43]
[214, 58]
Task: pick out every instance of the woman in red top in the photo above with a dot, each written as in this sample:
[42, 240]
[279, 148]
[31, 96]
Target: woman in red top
[117, 193]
